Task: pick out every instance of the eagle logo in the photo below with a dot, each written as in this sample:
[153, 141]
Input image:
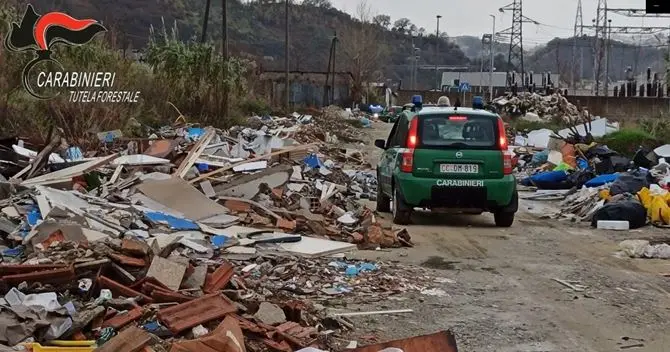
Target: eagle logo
[39, 34]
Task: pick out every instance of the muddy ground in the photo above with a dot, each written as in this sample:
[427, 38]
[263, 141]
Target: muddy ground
[503, 296]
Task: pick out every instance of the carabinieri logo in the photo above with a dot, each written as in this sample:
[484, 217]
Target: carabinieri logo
[40, 33]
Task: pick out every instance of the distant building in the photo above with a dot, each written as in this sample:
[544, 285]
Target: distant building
[307, 88]
[479, 81]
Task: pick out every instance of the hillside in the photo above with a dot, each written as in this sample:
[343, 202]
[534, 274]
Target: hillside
[556, 56]
[472, 46]
[256, 28]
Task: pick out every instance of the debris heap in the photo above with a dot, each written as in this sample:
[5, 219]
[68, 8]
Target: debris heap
[191, 238]
[536, 107]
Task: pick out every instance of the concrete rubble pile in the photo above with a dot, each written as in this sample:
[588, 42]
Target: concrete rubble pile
[194, 239]
[538, 108]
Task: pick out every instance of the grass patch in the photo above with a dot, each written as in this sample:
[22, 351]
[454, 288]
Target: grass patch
[627, 141]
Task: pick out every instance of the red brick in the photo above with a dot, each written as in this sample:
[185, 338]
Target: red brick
[135, 247]
[248, 325]
[123, 319]
[148, 284]
[356, 237]
[132, 339]
[198, 311]
[277, 192]
[126, 260]
[220, 278]
[162, 295]
[286, 224]
[12, 269]
[48, 276]
[278, 346]
[121, 290]
[227, 337]
[237, 206]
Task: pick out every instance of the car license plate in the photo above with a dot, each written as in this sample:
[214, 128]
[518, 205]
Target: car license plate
[459, 168]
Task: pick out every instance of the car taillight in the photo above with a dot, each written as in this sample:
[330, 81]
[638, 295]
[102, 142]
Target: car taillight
[502, 144]
[507, 163]
[413, 133]
[407, 161]
[502, 135]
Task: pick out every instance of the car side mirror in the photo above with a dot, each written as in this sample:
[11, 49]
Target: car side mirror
[380, 143]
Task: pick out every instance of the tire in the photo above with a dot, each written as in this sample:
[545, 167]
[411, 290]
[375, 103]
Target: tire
[504, 219]
[383, 201]
[401, 212]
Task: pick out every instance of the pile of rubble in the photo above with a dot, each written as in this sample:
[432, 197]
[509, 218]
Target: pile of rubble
[539, 108]
[194, 239]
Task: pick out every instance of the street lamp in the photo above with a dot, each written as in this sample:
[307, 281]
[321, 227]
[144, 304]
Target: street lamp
[493, 40]
[437, 49]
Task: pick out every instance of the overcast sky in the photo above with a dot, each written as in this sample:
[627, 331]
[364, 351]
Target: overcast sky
[471, 17]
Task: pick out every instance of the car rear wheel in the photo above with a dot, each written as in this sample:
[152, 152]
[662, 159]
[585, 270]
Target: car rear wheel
[504, 219]
[401, 212]
[383, 201]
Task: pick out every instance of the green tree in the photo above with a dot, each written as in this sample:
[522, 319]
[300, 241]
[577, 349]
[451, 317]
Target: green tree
[383, 21]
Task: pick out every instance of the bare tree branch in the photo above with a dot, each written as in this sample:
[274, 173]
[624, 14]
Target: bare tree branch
[362, 49]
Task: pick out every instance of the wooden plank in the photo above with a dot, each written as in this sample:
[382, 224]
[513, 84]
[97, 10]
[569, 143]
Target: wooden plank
[70, 172]
[195, 152]
[260, 157]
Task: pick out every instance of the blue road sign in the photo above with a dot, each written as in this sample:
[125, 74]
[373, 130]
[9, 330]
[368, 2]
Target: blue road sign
[464, 87]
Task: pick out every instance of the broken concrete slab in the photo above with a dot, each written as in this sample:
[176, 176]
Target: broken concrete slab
[248, 186]
[179, 195]
[197, 278]
[270, 314]
[167, 272]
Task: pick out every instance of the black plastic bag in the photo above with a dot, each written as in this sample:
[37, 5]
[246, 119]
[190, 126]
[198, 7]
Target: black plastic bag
[625, 210]
[629, 183]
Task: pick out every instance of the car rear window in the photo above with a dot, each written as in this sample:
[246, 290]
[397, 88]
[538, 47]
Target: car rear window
[457, 131]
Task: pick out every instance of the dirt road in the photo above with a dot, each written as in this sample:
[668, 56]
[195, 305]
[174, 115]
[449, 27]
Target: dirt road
[503, 296]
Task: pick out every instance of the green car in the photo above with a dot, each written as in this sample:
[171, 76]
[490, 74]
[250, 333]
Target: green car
[446, 158]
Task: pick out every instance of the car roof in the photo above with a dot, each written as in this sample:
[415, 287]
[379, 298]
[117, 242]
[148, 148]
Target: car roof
[450, 109]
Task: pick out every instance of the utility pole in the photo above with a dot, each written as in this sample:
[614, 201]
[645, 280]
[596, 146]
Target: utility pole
[287, 98]
[493, 41]
[577, 35]
[204, 21]
[437, 52]
[416, 67]
[608, 49]
[224, 50]
[515, 55]
[481, 68]
[600, 23]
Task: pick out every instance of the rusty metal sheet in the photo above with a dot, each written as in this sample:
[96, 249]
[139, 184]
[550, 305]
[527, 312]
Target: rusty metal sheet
[442, 341]
[198, 311]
